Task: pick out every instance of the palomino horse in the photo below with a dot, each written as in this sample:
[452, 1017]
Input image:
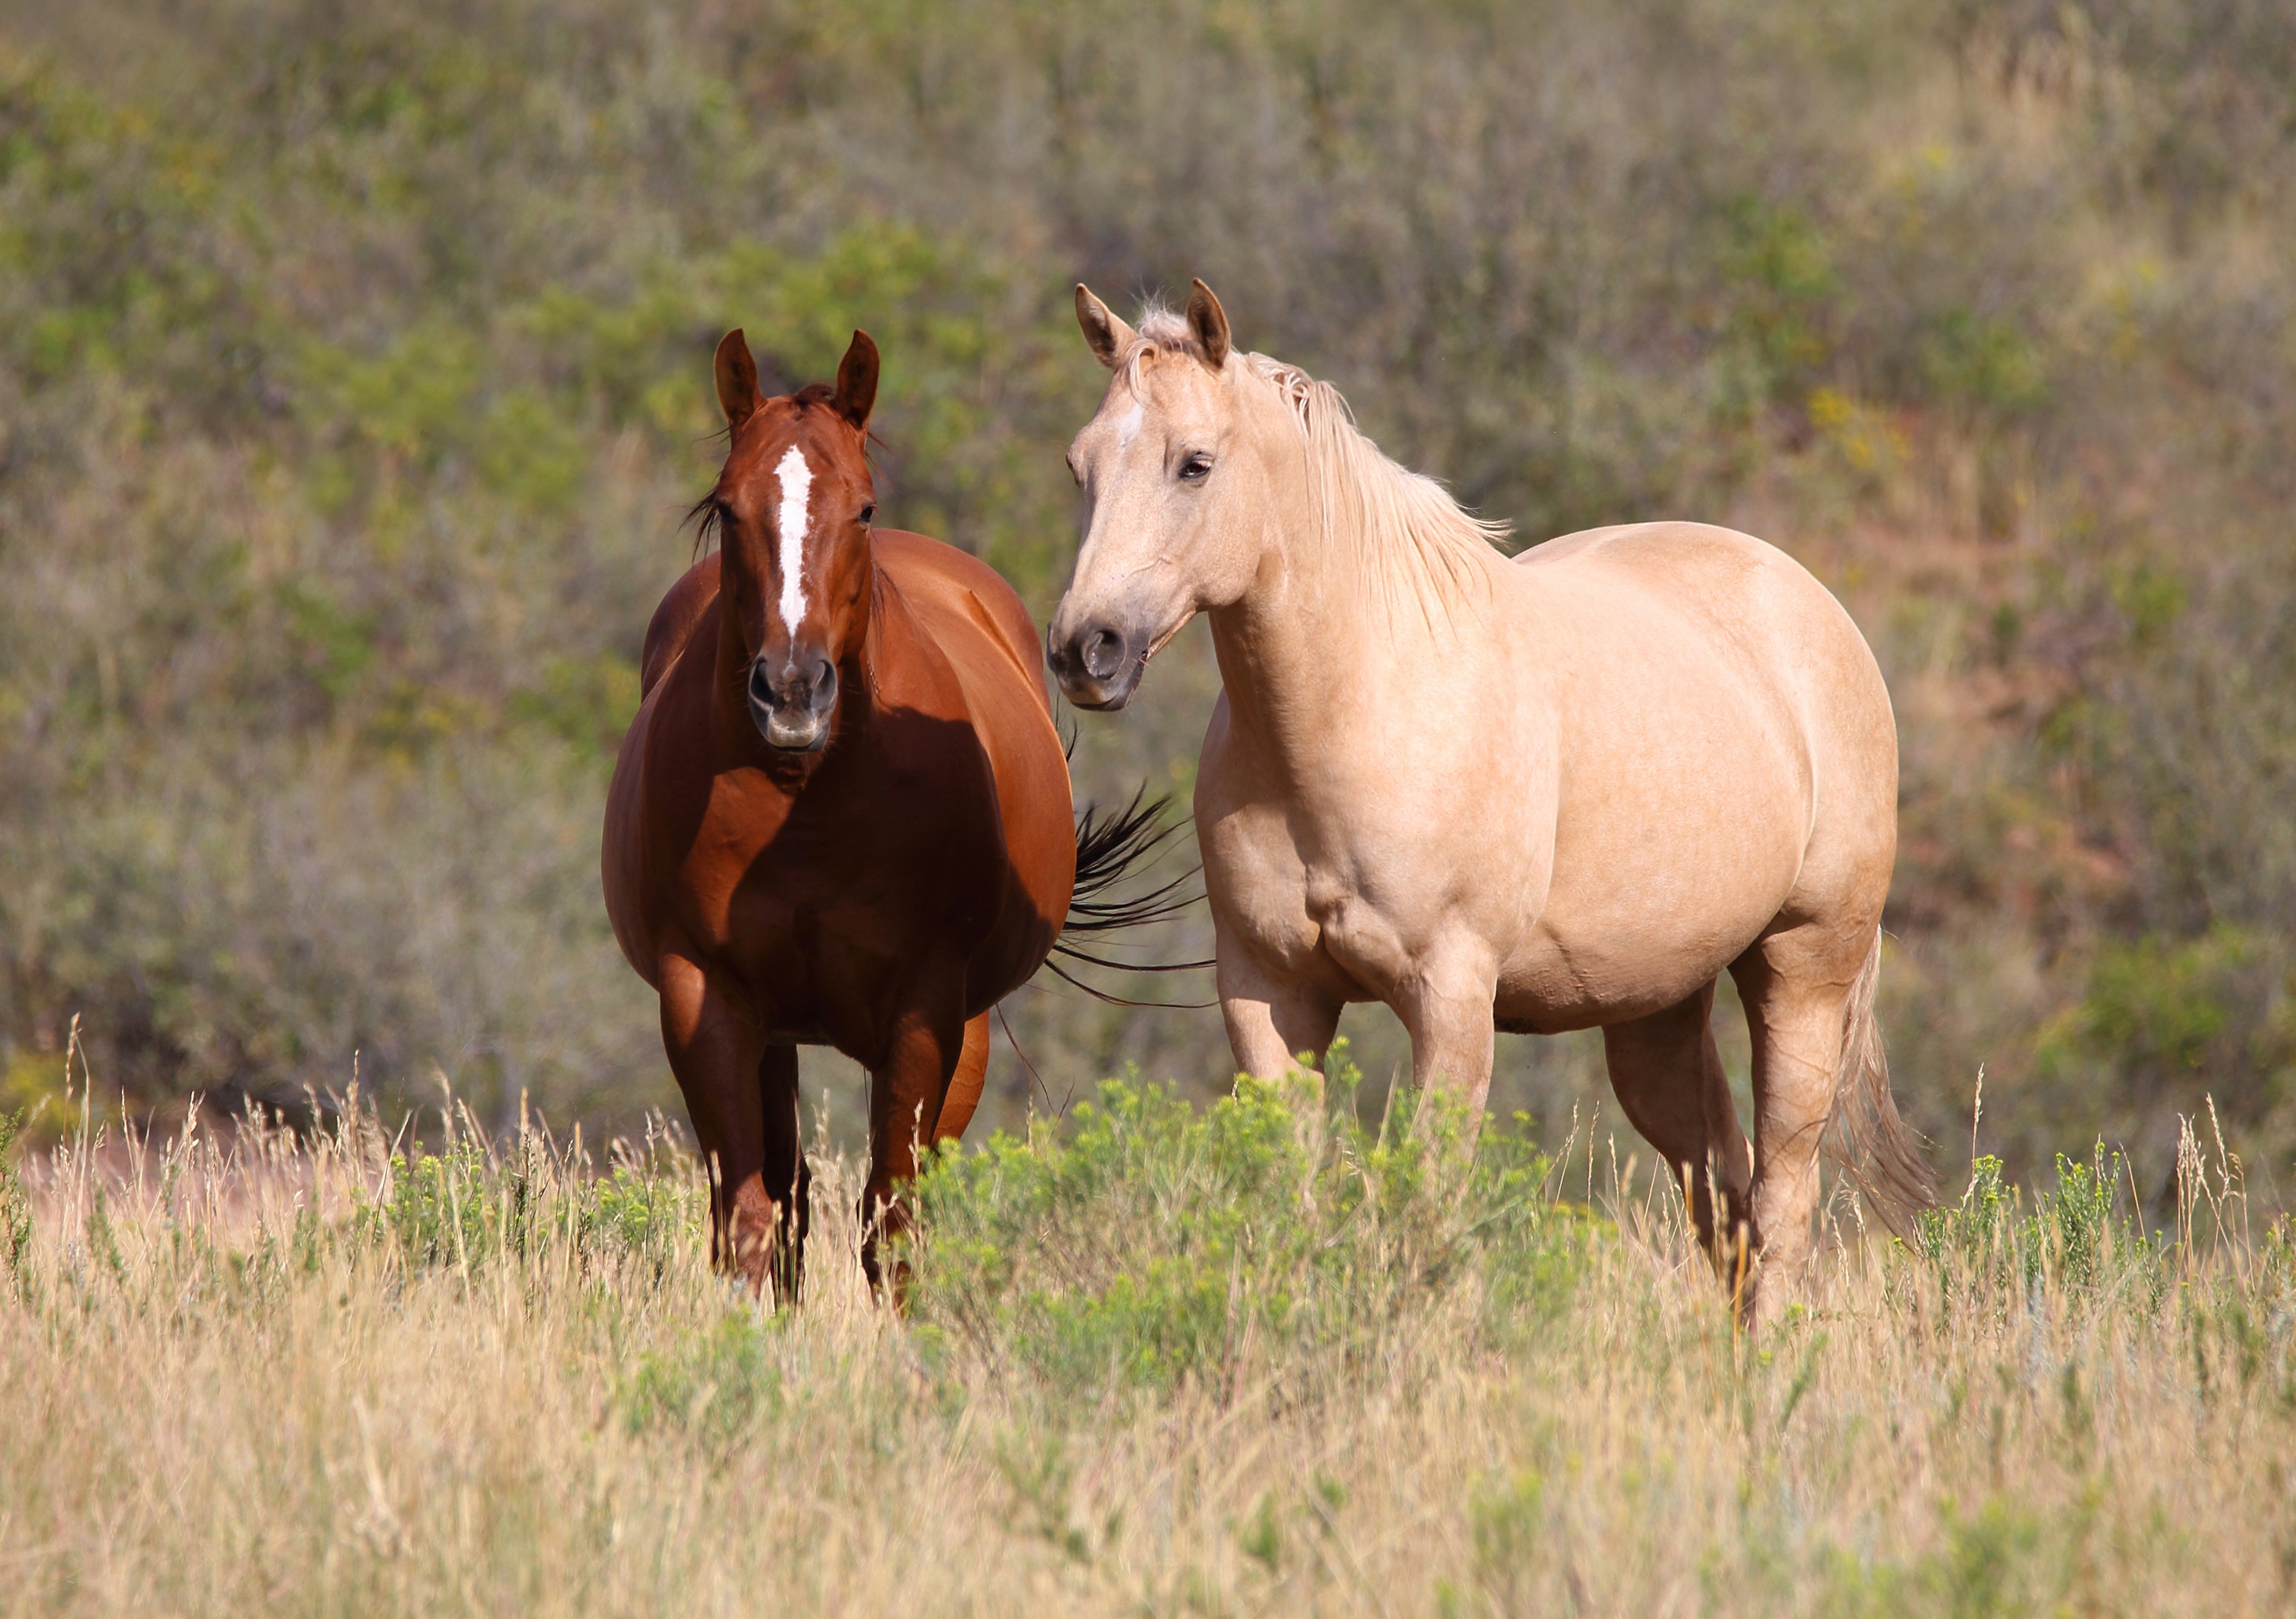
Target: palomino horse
[842, 816]
[1559, 792]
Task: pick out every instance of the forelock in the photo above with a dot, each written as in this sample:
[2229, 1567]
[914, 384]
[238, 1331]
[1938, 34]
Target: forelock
[1161, 330]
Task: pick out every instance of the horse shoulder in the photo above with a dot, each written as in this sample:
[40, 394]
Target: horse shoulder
[673, 621]
[660, 781]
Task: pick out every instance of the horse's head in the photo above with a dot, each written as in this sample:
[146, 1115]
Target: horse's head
[1177, 478]
[793, 508]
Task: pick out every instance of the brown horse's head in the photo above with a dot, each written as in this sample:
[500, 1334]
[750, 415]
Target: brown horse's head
[793, 508]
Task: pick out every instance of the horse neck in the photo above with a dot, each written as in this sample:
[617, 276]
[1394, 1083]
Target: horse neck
[1324, 642]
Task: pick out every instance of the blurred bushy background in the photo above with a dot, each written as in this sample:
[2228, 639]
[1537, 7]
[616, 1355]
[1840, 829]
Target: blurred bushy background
[353, 376]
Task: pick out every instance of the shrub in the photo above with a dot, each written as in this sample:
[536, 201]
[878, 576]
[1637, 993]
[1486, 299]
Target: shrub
[1146, 1246]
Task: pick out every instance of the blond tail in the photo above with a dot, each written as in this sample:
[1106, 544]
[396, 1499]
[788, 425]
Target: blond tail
[1883, 1153]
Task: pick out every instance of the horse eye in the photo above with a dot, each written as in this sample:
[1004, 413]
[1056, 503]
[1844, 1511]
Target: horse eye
[1195, 468]
[868, 514]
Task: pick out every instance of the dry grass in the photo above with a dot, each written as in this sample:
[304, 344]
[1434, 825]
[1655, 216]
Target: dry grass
[254, 1375]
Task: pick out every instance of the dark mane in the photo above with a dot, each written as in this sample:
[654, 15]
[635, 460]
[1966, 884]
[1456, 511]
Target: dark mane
[708, 516]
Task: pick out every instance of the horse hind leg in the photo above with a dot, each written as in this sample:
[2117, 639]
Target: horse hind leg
[1669, 1080]
[788, 1177]
[1796, 986]
[908, 1088]
[964, 1086]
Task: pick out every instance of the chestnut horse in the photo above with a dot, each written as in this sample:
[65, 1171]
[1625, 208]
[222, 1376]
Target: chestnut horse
[842, 817]
[1560, 792]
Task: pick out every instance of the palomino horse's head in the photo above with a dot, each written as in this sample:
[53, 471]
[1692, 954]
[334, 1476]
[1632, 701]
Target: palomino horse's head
[1179, 478]
[793, 508]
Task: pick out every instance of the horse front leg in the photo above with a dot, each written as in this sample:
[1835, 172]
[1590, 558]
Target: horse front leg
[1445, 1009]
[1276, 1022]
[908, 1088]
[716, 1051]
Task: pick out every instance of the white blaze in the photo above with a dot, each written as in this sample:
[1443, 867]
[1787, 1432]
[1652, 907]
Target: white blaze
[1128, 427]
[797, 487]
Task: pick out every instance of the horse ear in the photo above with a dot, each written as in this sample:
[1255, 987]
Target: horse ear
[1208, 322]
[1104, 334]
[857, 379]
[737, 378]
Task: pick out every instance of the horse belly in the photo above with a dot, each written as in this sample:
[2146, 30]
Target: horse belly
[826, 934]
[1027, 776]
[1669, 862]
[1034, 803]
[1726, 760]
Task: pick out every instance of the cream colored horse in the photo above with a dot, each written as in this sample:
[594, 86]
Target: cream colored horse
[1559, 792]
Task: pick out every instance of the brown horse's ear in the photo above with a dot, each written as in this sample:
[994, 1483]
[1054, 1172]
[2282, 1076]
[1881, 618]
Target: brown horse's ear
[856, 381]
[1104, 333]
[1208, 322]
[737, 380]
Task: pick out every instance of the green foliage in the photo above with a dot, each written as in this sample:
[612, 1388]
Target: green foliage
[1982, 362]
[16, 1207]
[466, 1207]
[1149, 1246]
[713, 1387]
[2153, 1000]
[1509, 1520]
[1780, 277]
[2001, 1560]
[586, 702]
[1988, 1252]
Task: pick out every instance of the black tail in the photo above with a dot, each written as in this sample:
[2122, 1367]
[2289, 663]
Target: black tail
[1112, 845]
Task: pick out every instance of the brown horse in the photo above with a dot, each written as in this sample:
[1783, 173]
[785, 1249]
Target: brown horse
[842, 817]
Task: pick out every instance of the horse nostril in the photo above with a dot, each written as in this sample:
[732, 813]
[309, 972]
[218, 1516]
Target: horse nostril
[1104, 653]
[761, 685]
[825, 682]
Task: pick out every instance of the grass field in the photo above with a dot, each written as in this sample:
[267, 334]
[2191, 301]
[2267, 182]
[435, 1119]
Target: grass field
[354, 375]
[1156, 1361]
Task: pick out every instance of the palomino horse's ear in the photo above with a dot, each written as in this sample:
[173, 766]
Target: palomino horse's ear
[1208, 322]
[737, 378]
[1107, 335]
[857, 379]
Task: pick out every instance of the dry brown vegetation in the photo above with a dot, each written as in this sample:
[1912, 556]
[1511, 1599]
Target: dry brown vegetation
[1174, 1362]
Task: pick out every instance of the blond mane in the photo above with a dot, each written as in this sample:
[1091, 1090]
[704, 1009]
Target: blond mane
[1402, 527]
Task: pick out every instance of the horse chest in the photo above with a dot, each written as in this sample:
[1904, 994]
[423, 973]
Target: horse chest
[853, 884]
[1299, 912]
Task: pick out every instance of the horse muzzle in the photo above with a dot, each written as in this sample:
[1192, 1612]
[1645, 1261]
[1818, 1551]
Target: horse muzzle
[1099, 666]
[791, 707]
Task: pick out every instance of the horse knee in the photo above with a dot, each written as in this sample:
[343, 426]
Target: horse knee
[749, 1230]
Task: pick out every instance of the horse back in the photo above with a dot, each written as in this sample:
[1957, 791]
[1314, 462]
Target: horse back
[941, 579]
